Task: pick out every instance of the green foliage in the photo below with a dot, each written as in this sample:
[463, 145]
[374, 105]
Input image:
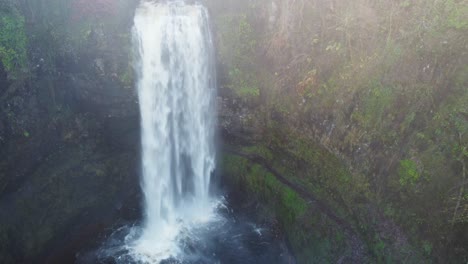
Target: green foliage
[408, 172]
[405, 3]
[379, 248]
[287, 206]
[13, 43]
[333, 47]
[391, 54]
[394, 109]
[450, 127]
[293, 205]
[237, 51]
[127, 78]
[389, 211]
[457, 14]
[247, 40]
[261, 183]
[83, 30]
[377, 103]
[242, 85]
[262, 151]
[427, 247]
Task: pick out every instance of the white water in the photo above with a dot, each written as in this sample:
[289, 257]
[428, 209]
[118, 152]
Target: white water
[176, 89]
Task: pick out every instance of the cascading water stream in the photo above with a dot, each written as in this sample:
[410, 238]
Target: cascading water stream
[176, 89]
[182, 223]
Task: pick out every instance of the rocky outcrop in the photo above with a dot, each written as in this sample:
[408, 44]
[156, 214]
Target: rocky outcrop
[69, 132]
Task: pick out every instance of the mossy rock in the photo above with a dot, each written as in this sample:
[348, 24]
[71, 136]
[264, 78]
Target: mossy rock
[313, 237]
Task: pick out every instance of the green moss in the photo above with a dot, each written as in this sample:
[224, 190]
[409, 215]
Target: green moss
[301, 148]
[243, 84]
[262, 183]
[327, 170]
[262, 151]
[303, 230]
[13, 43]
[408, 172]
[376, 105]
[128, 78]
[237, 51]
[293, 205]
[427, 248]
[457, 14]
[379, 250]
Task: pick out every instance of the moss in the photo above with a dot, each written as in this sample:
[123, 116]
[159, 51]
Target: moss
[303, 229]
[376, 109]
[379, 249]
[237, 51]
[457, 13]
[127, 78]
[408, 172]
[262, 183]
[13, 43]
[293, 206]
[427, 248]
[243, 84]
[327, 170]
[259, 150]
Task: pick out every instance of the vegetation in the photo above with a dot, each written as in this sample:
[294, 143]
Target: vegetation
[299, 219]
[52, 62]
[238, 47]
[13, 43]
[363, 104]
[408, 172]
[382, 86]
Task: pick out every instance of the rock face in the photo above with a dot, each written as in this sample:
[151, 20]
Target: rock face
[69, 130]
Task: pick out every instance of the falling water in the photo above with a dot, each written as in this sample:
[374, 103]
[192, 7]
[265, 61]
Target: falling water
[176, 88]
[183, 223]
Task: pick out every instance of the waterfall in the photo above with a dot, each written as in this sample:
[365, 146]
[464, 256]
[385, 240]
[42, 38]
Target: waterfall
[176, 90]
